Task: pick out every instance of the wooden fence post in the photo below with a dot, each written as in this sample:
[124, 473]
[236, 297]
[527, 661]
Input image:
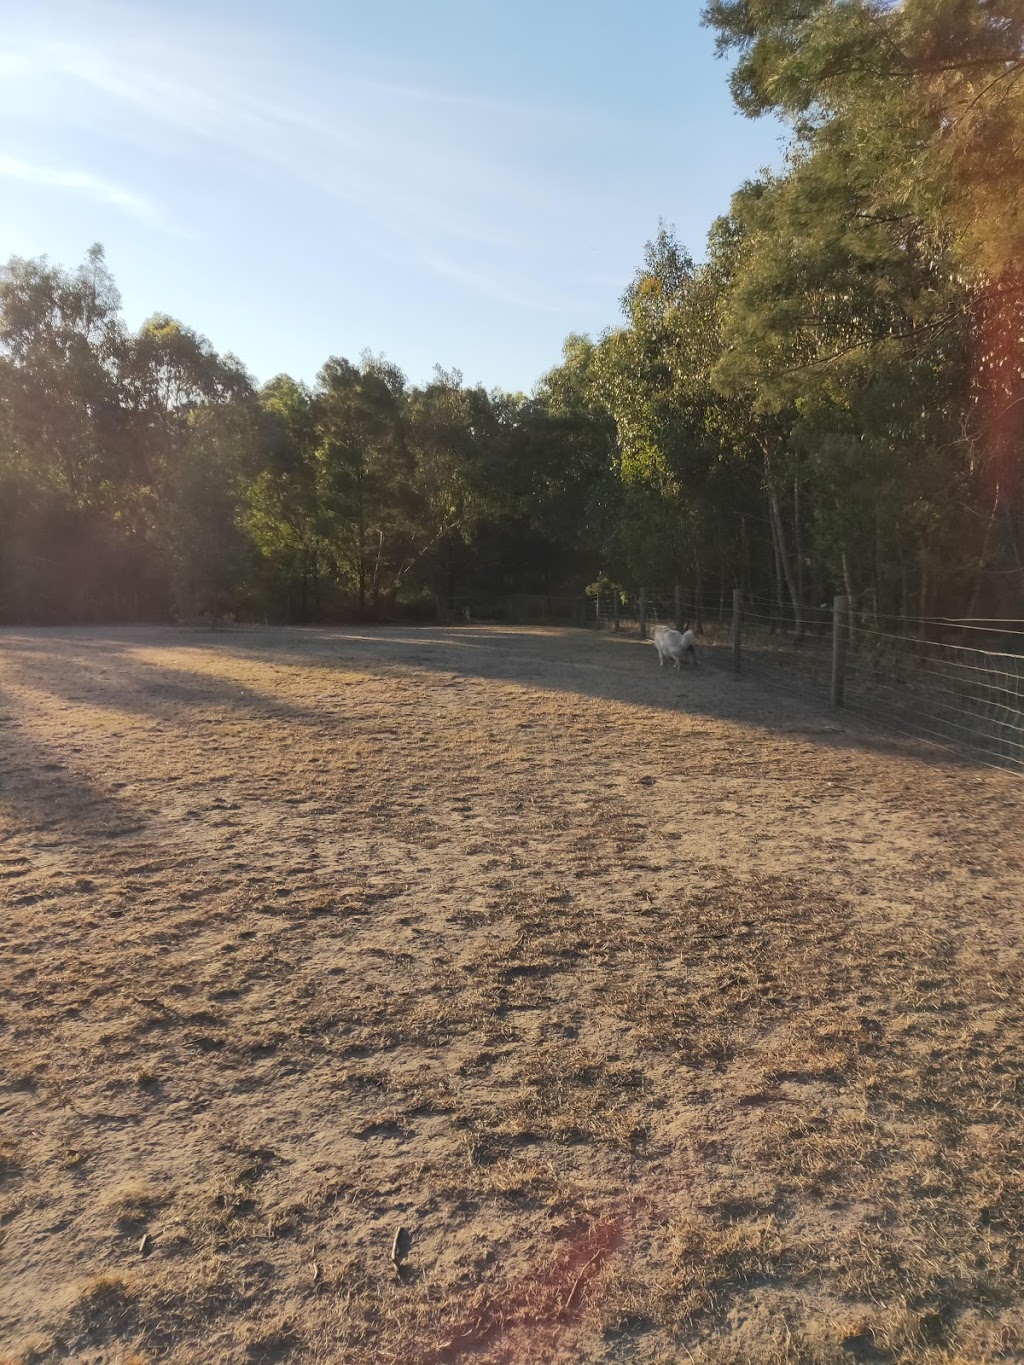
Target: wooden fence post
[615, 611]
[679, 608]
[643, 614]
[737, 619]
[839, 609]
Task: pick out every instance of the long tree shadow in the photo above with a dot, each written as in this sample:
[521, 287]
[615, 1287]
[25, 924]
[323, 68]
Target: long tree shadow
[42, 795]
[108, 674]
[49, 798]
[617, 670]
[568, 661]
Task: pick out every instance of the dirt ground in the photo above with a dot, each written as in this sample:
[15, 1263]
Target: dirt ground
[671, 1020]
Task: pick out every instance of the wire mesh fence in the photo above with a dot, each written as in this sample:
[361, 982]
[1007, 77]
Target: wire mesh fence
[669, 607]
[956, 682]
[516, 609]
[956, 694]
[800, 643]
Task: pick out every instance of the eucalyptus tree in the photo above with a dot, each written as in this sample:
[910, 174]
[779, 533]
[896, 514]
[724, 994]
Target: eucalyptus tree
[282, 509]
[880, 291]
[365, 469]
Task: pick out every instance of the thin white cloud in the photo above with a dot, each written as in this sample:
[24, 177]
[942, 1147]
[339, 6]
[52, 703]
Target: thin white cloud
[448, 179]
[486, 104]
[489, 285]
[83, 182]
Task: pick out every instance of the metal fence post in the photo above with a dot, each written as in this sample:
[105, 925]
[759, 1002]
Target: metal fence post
[737, 618]
[643, 614]
[839, 609]
[679, 607]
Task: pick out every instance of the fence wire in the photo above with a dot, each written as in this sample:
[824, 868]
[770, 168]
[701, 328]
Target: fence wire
[955, 694]
[957, 682]
[517, 609]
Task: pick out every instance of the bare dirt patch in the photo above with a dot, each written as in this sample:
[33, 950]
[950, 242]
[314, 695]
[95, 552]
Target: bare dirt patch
[671, 1020]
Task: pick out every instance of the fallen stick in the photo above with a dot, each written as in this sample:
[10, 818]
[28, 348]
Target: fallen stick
[579, 1280]
[397, 1253]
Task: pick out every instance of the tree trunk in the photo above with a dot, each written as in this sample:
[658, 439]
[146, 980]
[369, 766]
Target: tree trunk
[798, 541]
[775, 508]
[876, 574]
[904, 586]
[375, 588]
[850, 598]
[361, 544]
[922, 596]
[778, 614]
[972, 605]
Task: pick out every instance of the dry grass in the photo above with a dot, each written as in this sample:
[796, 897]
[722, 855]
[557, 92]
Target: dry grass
[674, 1023]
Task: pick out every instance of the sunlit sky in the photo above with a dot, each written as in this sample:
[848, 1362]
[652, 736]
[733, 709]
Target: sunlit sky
[457, 182]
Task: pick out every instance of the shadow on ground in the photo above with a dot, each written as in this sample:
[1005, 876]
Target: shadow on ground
[618, 670]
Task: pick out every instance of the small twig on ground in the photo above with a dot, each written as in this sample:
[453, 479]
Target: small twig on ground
[579, 1280]
[397, 1252]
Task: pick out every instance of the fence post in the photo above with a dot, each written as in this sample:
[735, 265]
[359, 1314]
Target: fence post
[737, 618]
[643, 614]
[840, 606]
[615, 611]
[679, 607]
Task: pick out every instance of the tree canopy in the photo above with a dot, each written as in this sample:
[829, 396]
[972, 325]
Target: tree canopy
[828, 393]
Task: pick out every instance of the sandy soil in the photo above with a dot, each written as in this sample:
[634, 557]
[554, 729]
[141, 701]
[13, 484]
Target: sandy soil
[670, 1019]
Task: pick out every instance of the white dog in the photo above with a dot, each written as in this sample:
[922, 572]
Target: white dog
[671, 645]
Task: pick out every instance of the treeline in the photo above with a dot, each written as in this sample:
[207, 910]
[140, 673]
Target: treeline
[832, 399]
[144, 476]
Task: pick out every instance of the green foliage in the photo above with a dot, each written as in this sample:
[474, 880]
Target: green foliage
[833, 395]
[873, 287]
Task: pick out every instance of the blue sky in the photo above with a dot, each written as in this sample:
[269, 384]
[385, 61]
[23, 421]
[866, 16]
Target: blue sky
[449, 182]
